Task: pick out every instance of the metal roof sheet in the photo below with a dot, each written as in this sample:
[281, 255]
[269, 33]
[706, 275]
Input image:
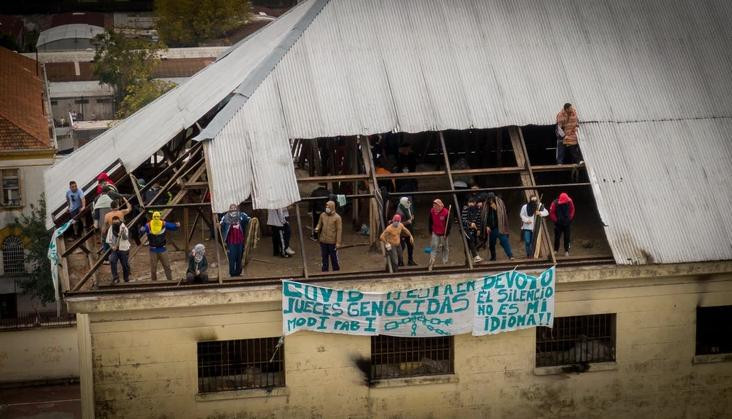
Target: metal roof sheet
[70, 31]
[372, 66]
[136, 138]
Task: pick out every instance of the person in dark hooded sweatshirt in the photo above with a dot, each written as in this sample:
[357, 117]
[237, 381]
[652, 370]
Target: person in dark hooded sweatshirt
[472, 223]
[561, 212]
[233, 230]
[405, 209]
[496, 225]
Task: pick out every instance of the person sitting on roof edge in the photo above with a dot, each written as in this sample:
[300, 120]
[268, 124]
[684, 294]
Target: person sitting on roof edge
[155, 230]
[561, 212]
[233, 229]
[197, 265]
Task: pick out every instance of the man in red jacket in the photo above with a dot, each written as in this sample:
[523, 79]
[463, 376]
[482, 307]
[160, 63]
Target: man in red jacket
[561, 212]
[439, 226]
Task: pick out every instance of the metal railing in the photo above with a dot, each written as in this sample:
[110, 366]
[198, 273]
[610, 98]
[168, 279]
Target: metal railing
[32, 320]
[576, 340]
[240, 364]
[398, 357]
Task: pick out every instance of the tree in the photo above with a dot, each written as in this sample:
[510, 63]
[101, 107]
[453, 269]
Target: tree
[124, 63]
[33, 229]
[140, 94]
[188, 22]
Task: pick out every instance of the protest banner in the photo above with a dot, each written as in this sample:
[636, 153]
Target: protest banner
[492, 304]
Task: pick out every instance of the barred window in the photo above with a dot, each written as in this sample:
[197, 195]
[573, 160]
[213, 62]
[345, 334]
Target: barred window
[713, 330]
[397, 357]
[576, 340]
[13, 255]
[10, 183]
[240, 364]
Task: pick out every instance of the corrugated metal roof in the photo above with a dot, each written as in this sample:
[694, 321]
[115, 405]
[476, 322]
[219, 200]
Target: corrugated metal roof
[70, 31]
[136, 138]
[372, 66]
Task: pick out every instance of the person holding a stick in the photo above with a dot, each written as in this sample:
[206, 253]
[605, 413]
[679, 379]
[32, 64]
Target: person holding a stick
[391, 236]
[528, 216]
[439, 226]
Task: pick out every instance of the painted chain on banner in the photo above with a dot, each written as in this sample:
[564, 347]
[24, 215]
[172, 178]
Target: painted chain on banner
[492, 304]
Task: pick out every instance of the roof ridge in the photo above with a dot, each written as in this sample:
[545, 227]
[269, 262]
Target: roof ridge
[255, 78]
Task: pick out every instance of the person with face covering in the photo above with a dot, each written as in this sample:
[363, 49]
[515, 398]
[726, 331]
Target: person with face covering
[495, 219]
[233, 228]
[155, 230]
[406, 212]
[392, 238]
[329, 231]
[528, 216]
[118, 239]
[439, 226]
[197, 265]
[561, 212]
[473, 225]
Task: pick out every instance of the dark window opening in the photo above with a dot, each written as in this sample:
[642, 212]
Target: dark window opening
[397, 357]
[576, 340]
[81, 101]
[713, 330]
[240, 364]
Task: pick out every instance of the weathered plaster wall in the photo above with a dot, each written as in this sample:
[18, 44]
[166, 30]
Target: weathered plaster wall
[38, 354]
[145, 363]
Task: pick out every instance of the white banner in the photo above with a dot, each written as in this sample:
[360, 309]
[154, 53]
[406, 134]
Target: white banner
[492, 304]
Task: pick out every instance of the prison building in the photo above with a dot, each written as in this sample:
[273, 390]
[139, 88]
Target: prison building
[375, 100]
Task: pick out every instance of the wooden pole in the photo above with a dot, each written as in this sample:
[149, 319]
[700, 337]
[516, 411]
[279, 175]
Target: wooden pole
[214, 222]
[302, 241]
[468, 257]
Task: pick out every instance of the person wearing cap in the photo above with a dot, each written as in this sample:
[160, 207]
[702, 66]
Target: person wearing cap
[197, 265]
[473, 225]
[529, 211]
[405, 210]
[155, 230]
[392, 237]
[329, 230]
[561, 212]
[495, 219]
[439, 227]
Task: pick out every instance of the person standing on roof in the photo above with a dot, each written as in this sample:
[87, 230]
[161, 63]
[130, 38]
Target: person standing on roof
[277, 219]
[118, 239]
[561, 212]
[405, 209]
[392, 238]
[472, 223]
[102, 180]
[233, 229]
[495, 218]
[155, 230]
[528, 216]
[329, 231]
[197, 265]
[439, 227]
[77, 204]
[317, 207]
[566, 131]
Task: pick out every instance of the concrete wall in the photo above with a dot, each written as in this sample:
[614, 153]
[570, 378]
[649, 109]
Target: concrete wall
[38, 354]
[144, 362]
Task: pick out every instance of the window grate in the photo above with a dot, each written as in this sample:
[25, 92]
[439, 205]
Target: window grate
[576, 340]
[397, 357]
[13, 255]
[240, 364]
[713, 330]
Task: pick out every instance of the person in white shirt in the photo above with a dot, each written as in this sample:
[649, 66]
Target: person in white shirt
[277, 219]
[528, 217]
[118, 239]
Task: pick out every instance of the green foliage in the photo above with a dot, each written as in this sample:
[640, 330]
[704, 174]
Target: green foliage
[33, 229]
[189, 22]
[140, 94]
[124, 63]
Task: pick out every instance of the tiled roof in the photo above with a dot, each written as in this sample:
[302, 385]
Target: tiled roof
[23, 124]
[168, 68]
